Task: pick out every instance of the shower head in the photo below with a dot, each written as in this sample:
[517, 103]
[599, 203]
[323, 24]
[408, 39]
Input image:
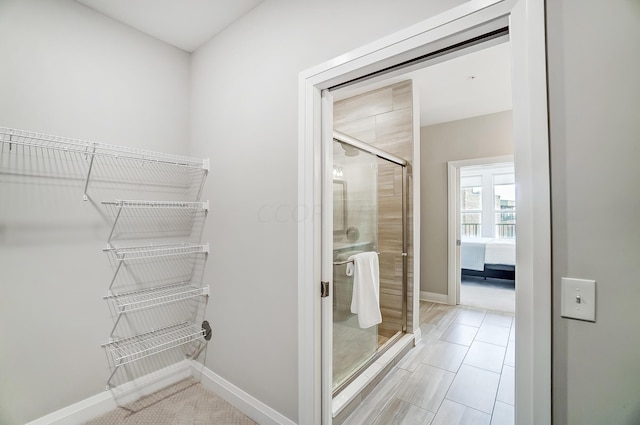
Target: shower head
[349, 150]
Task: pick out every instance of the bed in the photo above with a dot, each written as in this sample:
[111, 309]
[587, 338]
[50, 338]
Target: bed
[488, 257]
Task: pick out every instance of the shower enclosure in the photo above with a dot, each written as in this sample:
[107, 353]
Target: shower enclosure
[369, 215]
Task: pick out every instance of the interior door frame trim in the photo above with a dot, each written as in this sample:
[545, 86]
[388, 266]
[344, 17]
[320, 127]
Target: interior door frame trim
[453, 219]
[531, 155]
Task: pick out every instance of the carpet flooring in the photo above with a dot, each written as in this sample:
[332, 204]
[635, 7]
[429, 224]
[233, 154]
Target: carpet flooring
[184, 403]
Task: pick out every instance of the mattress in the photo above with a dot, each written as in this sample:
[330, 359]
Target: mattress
[472, 253]
[500, 251]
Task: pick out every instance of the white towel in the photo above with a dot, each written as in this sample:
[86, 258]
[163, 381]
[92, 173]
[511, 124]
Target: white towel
[365, 301]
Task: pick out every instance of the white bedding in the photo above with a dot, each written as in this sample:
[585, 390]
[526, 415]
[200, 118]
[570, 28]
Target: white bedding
[476, 252]
[472, 253]
[500, 251]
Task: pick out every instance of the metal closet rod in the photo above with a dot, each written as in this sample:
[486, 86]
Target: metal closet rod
[14, 136]
[341, 137]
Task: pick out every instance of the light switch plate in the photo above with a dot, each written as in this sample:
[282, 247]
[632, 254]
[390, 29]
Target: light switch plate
[578, 299]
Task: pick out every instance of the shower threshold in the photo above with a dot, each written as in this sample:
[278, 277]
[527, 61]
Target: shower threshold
[369, 375]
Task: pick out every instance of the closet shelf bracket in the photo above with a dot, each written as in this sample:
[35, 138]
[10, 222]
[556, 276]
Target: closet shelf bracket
[85, 197]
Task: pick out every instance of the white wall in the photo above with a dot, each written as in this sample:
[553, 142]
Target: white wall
[477, 137]
[244, 116]
[594, 105]
[69, 71]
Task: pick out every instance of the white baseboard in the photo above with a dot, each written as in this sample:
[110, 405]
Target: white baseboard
[149, 384]
[246, 403]
[99, 404]
[80, 412]
[434, 297]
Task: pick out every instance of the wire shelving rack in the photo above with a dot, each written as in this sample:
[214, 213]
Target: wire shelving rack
[126, 169]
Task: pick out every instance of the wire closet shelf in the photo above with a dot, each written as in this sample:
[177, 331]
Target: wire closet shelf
[130, 349]
[200, 205]
[141, 217]
[127, 350]
[25, 138]
[155, 251]
[132, 301]
[34, 142]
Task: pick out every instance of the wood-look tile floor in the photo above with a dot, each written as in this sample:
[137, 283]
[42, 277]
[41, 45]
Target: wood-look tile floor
[491, 294]
[461, 373]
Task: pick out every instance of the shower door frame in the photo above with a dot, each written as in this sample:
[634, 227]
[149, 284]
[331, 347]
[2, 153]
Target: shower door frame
[531, 156]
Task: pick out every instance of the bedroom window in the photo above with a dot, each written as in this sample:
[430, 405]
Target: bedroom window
[505, 210]
[488, 202]
[471, 206]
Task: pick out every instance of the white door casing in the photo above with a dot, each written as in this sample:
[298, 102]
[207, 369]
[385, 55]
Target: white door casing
[453, 220]
[327, 255]
[531, 157]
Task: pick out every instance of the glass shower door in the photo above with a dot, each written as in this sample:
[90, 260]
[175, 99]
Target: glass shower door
[354, 231]
[367, 217]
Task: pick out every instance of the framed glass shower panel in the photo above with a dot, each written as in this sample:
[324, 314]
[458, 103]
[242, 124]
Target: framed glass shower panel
[370, 211]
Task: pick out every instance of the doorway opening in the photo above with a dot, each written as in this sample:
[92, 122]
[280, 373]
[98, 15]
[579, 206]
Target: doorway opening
[453, 111]
[485, 219]
[531, 159]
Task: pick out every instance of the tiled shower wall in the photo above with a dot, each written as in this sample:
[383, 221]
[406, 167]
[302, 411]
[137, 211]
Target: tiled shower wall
[384, 119]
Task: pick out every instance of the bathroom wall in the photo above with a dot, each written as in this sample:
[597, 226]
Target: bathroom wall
[361, 186]
[384, 118]
[69, 71]
[594, 100]
[245, 117]
[478, 137]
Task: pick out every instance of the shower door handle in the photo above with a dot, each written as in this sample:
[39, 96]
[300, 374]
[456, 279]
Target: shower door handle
[324, 289]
